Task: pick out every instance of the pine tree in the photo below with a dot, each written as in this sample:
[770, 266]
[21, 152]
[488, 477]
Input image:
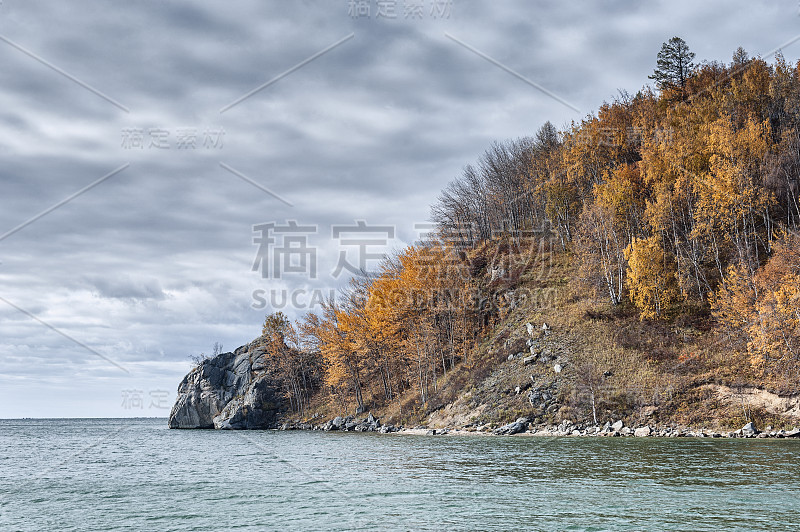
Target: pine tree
[740, 59]
[674, 65]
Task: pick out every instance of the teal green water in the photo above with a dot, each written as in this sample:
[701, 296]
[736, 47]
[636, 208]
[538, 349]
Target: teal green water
[114, 474]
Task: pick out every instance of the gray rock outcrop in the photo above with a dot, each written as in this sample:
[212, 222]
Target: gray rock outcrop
[230, 391]
[350, 423]
[520, 425]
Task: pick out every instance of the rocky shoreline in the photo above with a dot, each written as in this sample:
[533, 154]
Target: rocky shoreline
[521, 427]
[238, 391]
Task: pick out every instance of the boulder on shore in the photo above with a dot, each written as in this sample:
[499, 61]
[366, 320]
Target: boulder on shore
[520, 425]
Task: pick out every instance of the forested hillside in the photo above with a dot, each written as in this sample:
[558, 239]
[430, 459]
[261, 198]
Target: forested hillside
[657, 239]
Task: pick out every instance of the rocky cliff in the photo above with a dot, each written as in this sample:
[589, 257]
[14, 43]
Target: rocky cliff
[230, 391]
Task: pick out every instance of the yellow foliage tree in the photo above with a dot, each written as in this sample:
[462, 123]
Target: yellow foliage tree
[776, 335]
[731, 199]
[651, 280]
[764, 310]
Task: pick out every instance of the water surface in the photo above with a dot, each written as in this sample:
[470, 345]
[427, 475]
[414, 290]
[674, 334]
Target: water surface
[116, 474]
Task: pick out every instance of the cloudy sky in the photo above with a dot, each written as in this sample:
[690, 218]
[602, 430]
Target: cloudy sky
[142, 141]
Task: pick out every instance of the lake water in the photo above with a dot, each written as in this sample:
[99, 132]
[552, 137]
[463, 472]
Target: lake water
[115, 474]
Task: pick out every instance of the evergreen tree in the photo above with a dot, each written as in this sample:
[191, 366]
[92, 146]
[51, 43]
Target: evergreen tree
[740, 59]
[547, 137]
[674, 65]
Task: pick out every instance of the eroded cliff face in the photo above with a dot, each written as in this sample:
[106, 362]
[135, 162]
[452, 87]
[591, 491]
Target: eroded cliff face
[230, 391]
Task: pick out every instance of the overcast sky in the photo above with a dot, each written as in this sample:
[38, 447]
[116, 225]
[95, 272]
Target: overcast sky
[347, 115]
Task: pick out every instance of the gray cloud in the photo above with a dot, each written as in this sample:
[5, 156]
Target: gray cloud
[127, 288]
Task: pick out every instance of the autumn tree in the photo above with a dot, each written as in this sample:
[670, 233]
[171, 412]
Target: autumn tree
[732, 204]
[601, 247]
[296, 368]
[650, 277]
[563, 206]
[776, 333]
[764, 310]
[335, 334]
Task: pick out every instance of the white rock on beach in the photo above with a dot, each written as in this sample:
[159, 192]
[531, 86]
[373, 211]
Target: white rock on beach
[750, 427]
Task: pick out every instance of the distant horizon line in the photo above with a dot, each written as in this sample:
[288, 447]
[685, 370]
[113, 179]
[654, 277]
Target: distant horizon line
[78, 417]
